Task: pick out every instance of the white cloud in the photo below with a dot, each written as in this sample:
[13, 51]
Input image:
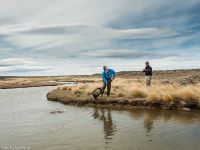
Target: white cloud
[126, 54]
[68, 36]
[76, 36]
[16, 65]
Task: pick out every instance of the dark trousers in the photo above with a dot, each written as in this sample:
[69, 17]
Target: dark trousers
[108, 85]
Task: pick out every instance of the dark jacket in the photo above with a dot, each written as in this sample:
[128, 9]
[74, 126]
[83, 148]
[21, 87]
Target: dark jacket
[148, 71]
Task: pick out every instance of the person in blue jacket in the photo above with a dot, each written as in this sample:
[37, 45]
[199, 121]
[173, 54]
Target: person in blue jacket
[107, 76]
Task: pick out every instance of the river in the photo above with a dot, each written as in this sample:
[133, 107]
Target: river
[27, 120]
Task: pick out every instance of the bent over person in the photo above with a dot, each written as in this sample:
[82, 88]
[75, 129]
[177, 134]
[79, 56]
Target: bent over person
[107, 76]
[148, 73]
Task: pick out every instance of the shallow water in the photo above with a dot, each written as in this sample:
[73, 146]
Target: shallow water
[26, 119]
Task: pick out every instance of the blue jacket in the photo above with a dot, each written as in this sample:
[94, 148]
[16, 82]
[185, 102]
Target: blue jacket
[106, 75]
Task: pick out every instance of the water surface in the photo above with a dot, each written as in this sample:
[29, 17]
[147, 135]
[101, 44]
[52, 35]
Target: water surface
[26, 120]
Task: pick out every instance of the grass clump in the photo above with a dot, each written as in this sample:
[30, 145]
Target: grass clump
[136, 93]
[120, 94]
[153, 96]
[78, 92]
[189, 93]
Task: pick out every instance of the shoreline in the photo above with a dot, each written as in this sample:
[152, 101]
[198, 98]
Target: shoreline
[19, 82]
[29, 86]
[125, 104]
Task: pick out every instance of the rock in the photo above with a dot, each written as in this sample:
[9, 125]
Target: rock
[187, 81]
[192, 104]
[57, 111]
[156, 104]
[146, 103]
[182, 104]
[123, 102]
[83, 102]
[101, 102]
[136, 103]
[166, 82]
[186, 109]
[198, 105]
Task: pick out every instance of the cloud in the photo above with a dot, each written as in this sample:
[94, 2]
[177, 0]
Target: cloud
[126, 54]
[65, 29]
[174, 14]
[16, 62]
[68, 36]
[75, 36]
[10, 65]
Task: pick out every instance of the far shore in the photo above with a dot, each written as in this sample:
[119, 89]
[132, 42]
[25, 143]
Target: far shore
[182, 76]
[25, 82]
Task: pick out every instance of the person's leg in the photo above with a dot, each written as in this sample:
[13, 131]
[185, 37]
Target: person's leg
[150, 77]
[108, 87]
[148, 80]
[103, 88]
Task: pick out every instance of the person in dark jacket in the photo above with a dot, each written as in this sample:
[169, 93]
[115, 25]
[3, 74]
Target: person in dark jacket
[148, 73]
[107, 76]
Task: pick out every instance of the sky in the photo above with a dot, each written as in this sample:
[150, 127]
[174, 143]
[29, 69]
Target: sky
[63, 37]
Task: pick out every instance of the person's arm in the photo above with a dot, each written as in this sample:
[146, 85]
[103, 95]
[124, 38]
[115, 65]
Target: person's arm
[113, 73]
[104, 78]
[151, 70]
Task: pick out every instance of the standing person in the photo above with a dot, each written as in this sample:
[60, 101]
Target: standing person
[148, 73]
[107, 76]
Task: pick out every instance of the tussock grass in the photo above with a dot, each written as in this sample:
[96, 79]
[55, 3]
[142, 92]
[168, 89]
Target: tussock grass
[78, 92]
[121, 94]
[138, 93]
[130, 89]
[65, 88]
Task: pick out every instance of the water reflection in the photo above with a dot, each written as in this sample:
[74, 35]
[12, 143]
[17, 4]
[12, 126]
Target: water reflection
[148, 126]
[150, 118]
[105, 116]
[162, 115]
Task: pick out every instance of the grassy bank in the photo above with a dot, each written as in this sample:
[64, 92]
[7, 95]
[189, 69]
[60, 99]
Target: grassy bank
[131, 93]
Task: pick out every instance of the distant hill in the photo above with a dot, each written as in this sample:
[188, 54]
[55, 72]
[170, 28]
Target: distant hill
[155, 72]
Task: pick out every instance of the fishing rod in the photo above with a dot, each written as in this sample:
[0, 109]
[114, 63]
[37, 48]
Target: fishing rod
[152, 55]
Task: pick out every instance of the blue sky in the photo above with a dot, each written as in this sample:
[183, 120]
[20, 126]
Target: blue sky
[55, 37]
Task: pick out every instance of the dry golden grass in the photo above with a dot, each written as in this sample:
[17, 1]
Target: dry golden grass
[131, 88]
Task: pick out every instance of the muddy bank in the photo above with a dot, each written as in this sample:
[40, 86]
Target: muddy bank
[122, 103]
